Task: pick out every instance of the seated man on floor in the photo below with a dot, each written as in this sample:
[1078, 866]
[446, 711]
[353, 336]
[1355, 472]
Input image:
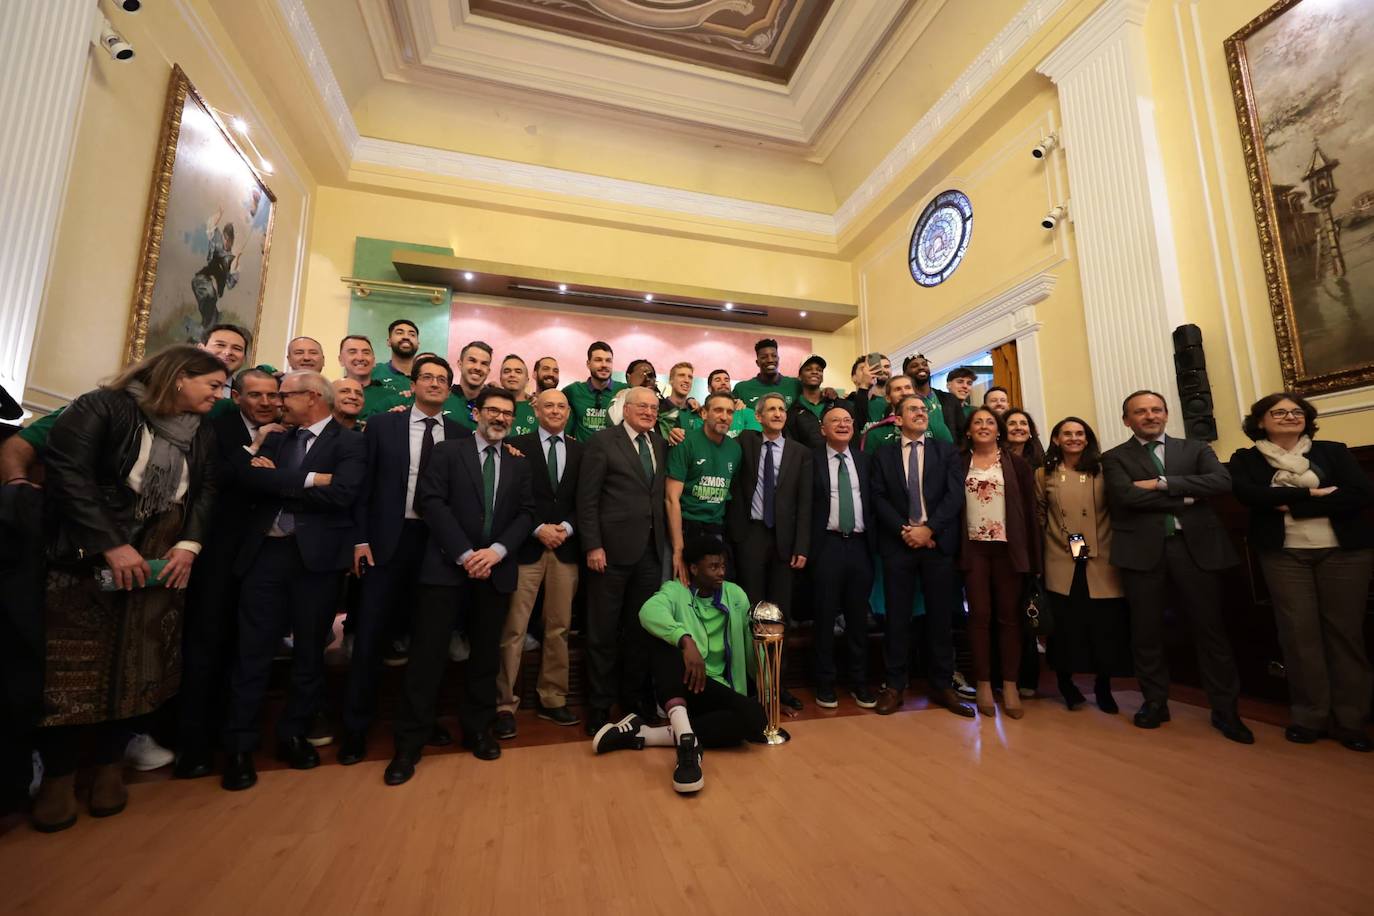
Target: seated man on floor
[701, 658]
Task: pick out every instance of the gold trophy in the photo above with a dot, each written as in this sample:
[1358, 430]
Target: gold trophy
[769, 633]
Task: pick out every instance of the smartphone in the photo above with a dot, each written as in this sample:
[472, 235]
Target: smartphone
[875, 361]
[105, 576]
[1078, 547]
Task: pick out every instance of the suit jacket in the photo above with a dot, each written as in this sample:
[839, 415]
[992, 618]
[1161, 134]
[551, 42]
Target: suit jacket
[942, 485]
[1138, 515]
[616, 507]
[1251, 476]
[380, 511]
[820, 494]
[552, 506]
[324, 518]
[792, 499]
[233, 505]
[451, 504]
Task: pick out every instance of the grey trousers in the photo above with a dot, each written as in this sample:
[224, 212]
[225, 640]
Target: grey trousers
[1319, 606]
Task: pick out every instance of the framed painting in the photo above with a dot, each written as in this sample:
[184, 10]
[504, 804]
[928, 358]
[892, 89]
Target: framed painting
[207, 232]
[1302, 79]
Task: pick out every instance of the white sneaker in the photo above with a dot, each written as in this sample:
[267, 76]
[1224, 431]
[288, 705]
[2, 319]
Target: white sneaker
[458, 648]
[531, 644]
[143, 753]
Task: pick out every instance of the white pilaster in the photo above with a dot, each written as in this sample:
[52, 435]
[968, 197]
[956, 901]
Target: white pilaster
[1132, 297]
[43, 56]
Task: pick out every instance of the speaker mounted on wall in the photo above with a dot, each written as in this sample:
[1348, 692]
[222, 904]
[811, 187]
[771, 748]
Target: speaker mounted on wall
[1194, 389]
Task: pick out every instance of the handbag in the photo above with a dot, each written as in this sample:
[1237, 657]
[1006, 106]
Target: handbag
[1036, 615]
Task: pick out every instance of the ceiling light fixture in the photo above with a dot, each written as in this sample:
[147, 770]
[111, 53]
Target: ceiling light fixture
[240, 125]
[562, 287]
[648, 297]
[467, 275]
[802, 315]
[729, 306]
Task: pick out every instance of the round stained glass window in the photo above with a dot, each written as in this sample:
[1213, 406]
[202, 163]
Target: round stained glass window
[941, 237]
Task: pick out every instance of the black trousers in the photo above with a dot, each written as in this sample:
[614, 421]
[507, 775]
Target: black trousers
[934, 572]
[432, 625]
[720, 716]
[617, 646]
[279, 595]
[758, 570]
[209, 643]
[842, 578]
[386, 596]
[1179, 582]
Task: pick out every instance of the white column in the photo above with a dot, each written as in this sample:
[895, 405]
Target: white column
[43, 56]
[1132, 298]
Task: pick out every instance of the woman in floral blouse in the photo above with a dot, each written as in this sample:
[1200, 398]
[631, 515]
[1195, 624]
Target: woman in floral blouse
[1001, 546]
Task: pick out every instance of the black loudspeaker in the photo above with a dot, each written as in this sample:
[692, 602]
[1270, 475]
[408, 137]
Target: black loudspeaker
[1194, 390]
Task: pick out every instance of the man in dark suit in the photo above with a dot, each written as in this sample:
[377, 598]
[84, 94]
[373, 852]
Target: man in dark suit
[299, 539]
[208, 638]
[476, 499]
[1169, 544]
[548, 558]
[391, 537]
[620, 518]
[842, 542]
[918, 497]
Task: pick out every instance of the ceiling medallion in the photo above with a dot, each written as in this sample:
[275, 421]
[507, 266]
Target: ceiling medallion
[940, 238]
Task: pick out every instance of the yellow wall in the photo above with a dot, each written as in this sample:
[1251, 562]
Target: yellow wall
[86, 309]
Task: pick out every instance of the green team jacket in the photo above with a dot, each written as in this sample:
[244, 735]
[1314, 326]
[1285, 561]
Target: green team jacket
[670, 614]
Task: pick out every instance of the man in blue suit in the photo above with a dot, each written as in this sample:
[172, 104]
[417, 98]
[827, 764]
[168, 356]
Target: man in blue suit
[391, 537]
[918, 498]
[299, 540]
[842, 546]
[479, 505]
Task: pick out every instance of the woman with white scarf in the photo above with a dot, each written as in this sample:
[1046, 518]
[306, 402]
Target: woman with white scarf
[1306, 499]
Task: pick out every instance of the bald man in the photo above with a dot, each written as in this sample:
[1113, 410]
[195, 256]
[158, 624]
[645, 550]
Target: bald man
[548, 558]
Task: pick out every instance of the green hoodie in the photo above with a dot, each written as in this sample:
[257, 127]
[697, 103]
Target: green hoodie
[674, 612]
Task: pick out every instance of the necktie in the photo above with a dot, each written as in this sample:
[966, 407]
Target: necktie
[1170, 523]
[846, 497]
[644, 457]
[292, 457]
[426, 446]
[553, 460]
[488, 492]
[769, 485]
[913, 483]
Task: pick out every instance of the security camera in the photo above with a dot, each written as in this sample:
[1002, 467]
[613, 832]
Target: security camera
[114, 43]
[1043, 148]
[1052, 218]
[131, 6]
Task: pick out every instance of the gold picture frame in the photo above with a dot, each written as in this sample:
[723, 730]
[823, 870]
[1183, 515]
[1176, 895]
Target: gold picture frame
[1296, 112]
[195, 268]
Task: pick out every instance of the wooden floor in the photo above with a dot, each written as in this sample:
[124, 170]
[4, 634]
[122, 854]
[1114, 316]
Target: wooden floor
[920, 812]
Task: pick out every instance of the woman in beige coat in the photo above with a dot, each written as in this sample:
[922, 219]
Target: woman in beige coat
[1091, 623]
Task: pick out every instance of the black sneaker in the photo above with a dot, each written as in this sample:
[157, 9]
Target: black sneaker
[865, 697]
[687, 776]
[619, 736]
[504, 726]
[558, 715]
[825, 698]
[396, 654]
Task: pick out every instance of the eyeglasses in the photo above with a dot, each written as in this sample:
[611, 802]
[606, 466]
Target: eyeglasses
[429, 377]
[1278, 413]
[499, 413]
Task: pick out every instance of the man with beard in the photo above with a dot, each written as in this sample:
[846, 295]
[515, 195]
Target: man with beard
[591, 400]
[718, 382]
[358, 361]
[699, 474]
[305, 354]
[768, 379]
[888, 429]
[804, 414]
[403, 337]
[348, 403]
[545, 374]
[639, 374]
[946, 416]
[474, 365]
[514, 378]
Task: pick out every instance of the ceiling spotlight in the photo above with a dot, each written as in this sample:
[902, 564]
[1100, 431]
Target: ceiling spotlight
[803, 314]
[648, 297]
[729, 306]
[467, 275]
[562, 287]
[240, 125]
[267, 167]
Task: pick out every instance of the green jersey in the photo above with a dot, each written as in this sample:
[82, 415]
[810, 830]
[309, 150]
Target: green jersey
[36, 433]
[222, 407]
[524, 422]
[459, 409]
[877, 409]
[705, 470]
[389, 376]
[881, 435]
[939, 429]
[742, 420]
[750, 390]
[377, 398]
[588, 408]
[817, 408]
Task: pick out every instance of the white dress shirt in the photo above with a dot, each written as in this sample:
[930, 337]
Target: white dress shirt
[833, 521]
[561, 451]
[416, 428]
[481, 446]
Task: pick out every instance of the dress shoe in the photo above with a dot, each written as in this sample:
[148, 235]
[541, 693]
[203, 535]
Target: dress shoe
[1301, 734]
[1102, 689]
[1073, 697]
[55, 807]
[108, 795]
[504, 726]
[401, 768]
[1355, 740]
[298, 752]
[1152, 715]
[193, 763]
[596, 718]
[239, 773]
[352, 748]
[786, 698]
[558, 715]
[483, 747]
[889, 701]
[1230, 725]
[826, 699]
[864, 697]
[950, 699]
[440, 737]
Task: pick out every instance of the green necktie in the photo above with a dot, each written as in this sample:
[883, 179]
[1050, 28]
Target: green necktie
[1170, 523]
[846, 497]
[553, 461]
[488, 491]
[644, 457]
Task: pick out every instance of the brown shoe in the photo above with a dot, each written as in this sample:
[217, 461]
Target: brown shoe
[889, 701]
[951, 700]
[108, 795]
[55, 807]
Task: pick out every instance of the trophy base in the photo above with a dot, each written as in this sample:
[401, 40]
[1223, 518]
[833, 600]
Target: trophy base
[775, 737]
